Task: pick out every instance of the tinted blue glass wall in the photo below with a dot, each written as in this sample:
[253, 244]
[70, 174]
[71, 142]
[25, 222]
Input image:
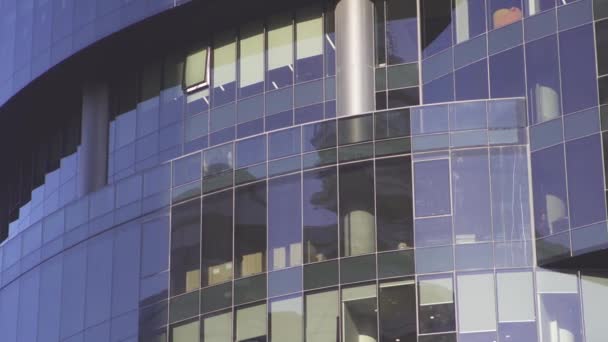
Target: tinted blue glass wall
[192, 171]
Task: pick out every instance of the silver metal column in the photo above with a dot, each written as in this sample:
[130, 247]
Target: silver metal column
[93, 151]
[354, 56]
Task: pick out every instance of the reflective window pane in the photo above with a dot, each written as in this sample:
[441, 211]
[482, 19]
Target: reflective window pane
[397, 316]
[250, 229]
[394, 203]
[185, 247]
[471, 192]
[284, 222]
[320, 215]
[436, 26]
[401, 31]
[357, 212]
[470, 19]
[549, 189]
[436, 304]
[224, 68]
[216, 246]
[359, 314]
[432, 183]
[542, 71]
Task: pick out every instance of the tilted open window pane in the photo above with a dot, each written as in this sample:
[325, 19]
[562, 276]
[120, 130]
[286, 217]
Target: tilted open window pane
[195, 74]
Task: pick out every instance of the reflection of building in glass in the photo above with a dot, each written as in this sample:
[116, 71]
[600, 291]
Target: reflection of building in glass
[319, 171]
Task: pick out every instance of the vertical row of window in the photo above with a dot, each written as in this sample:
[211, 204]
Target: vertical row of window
[396, 52]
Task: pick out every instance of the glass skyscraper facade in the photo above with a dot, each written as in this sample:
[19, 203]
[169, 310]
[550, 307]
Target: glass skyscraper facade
[306, 171]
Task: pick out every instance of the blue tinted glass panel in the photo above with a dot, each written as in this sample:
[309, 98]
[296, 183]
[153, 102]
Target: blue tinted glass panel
[472, 81]
[320, 215]
[319, 136]
[507, 77]
[439, 90]
[284, 143]
[125, 275]
[187, 169]
[401, 31]
[50, 300]
[284, 222]
[585, 181]
[431, 184]
[250, 151]
[543, 79]
[471, 192]
[436, 26]
[578, 69]
[73, 291]
[549, 186]
[99, 279]
[434, 231]
[509, 177]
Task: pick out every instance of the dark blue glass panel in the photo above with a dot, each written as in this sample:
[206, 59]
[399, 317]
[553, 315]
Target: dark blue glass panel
[309, 68]
[542, 72]
[250, 128]
[431, 184]
[436, 26]
[578, 70]
[251, 151]
[470, 51]
[468, 115]
[549, 186]
[309, 113]
[187, 169]
[503, 12]
[403, 97]
[540, 25]
[250, 109]
[319, 136]
[401, 31]
[99, 279]
[320, 218]
[439, 90]
[284, 222]
[250, 229]
[125, 275]
[330, 46]
[507, 76]
[224, 94]
[155, 246]
[73, 291]
[472, 81]
[394, 216]
[50, 299]
[216, 238]
[8, 312]
[29, 296]
[284, 143]
[585, 181]
[222, 136]
[280, 120]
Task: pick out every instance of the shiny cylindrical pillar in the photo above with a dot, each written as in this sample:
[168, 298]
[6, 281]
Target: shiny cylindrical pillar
[93, 150]
[354, 57]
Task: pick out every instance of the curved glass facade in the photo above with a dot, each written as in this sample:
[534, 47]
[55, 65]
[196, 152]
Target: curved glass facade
[239, 204]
